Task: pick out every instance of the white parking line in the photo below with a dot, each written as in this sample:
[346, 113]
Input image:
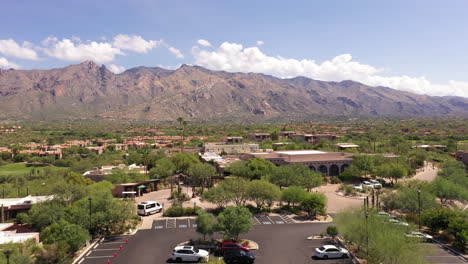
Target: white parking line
[79, 262]
[270, 219]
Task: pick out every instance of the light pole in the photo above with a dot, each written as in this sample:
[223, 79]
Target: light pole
[419, 209]
[90, 200]
[7, 255]
[366, 214]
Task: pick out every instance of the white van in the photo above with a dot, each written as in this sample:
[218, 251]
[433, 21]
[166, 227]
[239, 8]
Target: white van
[149, 207]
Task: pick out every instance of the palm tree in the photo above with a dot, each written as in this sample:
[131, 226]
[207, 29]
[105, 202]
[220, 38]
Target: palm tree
[182, 124]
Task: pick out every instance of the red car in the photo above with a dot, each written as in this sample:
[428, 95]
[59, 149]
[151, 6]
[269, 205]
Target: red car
[226, 245]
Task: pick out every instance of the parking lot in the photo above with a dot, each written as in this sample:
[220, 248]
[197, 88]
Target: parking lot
[170, 223]
[280, 243]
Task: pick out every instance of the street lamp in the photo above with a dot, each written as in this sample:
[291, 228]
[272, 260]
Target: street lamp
[366, 214]
[7, 255]
[419, 209]
[90, 200]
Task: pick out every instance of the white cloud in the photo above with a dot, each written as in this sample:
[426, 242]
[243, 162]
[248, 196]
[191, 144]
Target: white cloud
[260, 42]
[115, 68]
[234, 57]
[69, 50]
[204, 43]
[175, 52]
[135, 43]
[5, 64]
[10, 47]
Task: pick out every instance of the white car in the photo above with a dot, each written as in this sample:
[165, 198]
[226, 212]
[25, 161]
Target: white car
[398, 222]
[357, 187]
[149, 207]
[381, 213]
[331, 251]
[367, 184]
[189, 253]
[376, 184]
[420, 235]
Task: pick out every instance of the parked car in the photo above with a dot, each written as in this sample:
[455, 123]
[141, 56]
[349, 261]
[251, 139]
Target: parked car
[419, 235]
[149, 207]
[189, 253]
[367, 184]
[357, 187]
[376, 184]
[382, 213]
[398, 222]
[227, 245]
[331, 251]
[240, 256]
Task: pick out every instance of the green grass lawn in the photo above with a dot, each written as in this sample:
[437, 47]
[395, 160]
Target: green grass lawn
[22, 168]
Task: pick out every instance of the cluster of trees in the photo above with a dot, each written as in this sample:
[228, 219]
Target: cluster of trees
[376, 165]
[378, 241]
[263, 193]
[231, 222]
[78, 211]
[435, 200]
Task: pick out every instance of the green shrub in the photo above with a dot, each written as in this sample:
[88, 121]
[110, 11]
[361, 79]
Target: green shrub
[349, 190]
[174, 211]
[291, 209]
[332, 231]
[335, 180]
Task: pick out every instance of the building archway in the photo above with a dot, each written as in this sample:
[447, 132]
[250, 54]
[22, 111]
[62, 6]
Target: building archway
[323, 169]
[334, 170]
[344, 167]
[312, 168]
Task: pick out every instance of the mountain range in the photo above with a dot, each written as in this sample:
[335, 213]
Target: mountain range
[90, 91]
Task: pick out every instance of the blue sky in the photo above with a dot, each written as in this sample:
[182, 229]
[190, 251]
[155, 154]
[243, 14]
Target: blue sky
[417, 45]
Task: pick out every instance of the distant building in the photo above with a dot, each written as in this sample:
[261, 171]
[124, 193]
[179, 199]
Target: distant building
[429, 147]
[260, 136]
[13, 206]
[314, 139]
[98, 174]
[287, 134]
[344, 146]
[13, 233]
[329, 163]
[219, 148]
[233, 140]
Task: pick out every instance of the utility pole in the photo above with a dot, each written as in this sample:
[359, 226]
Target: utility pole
[367, 235]
[90, 201]
[419, 209]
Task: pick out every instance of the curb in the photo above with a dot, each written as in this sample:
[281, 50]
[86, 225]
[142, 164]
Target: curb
[350, 197]
[92, 245]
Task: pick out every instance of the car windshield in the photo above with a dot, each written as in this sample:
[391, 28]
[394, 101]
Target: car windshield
[196, 250]
[321, 248]
[140, 206]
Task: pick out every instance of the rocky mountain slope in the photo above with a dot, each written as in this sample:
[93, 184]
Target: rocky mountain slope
[88, 90]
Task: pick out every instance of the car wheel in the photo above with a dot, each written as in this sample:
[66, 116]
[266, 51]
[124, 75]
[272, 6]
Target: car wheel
[200, 260]
[178, 259]
[345, 255]
[325, 257]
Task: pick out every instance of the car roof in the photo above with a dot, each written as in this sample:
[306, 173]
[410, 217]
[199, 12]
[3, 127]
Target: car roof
[183, 247]
[148, 202]
[329, 246]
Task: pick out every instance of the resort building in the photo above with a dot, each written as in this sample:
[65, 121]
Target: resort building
[329, 163]
[219, 148]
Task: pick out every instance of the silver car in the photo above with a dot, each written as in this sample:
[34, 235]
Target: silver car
[331, 251]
